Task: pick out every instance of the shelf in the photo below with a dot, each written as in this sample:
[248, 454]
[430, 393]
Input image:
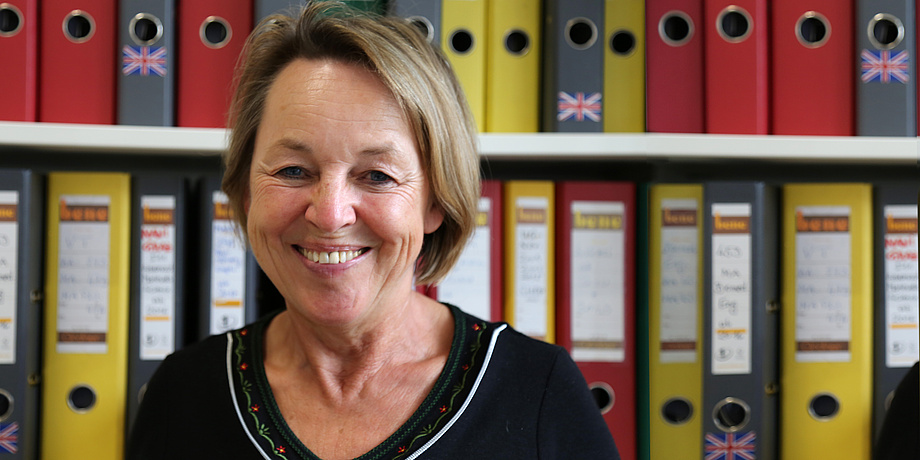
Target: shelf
[543, 146]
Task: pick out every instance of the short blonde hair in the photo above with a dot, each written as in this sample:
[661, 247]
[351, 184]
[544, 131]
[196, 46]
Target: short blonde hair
[418, 75]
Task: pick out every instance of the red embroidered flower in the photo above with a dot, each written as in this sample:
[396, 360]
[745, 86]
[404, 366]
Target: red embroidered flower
[279, 449]
[443, 409]
[465, 367]
[401, 449]
[244, 332]
[254, 408]
[476, 327]
[244, 366]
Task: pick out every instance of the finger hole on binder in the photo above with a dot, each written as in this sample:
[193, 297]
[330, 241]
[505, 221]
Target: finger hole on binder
[885, 31]
[10, 20]
[604, 396]
[677, 411]
[145, 29]
[517, 42]
[734, 24]
[675, 28]
[580, 33]
[79, 26]
[731, 414]
[81, 399]
[622, 43]
[424, 26]
[824, 407]
[461, 41]
[6, 404]
[812, 30]
[215, 32]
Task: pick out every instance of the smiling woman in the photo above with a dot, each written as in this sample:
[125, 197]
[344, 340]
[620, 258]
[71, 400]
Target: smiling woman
[353, 172]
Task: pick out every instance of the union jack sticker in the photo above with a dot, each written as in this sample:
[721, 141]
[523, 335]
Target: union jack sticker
[144, 60]
[731, 446]
[882, 66]
[9, 438]
[579, 106]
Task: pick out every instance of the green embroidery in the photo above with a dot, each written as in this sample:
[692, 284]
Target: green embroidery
[246, 387]
[458, 388]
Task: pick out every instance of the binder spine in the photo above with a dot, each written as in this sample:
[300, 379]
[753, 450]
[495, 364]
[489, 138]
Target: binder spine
[147, 51]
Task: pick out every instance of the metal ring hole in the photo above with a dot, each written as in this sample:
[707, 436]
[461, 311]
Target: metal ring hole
[885, 31]
[6, 404]
[517, 42]
[675, 28]
[145, 29]
[79, 26]
[580, 33]
[824, 407]
[424, 26]
[10, 20]
[604, 396]
[622, 43]
[215, 32]
[731, 415]
[677, 411]
[461, 41]
[81, 399]
[734, 24]
[812, 30]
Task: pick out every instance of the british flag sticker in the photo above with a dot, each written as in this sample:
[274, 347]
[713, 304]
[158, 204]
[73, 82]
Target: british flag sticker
[144, 60]
[885, 67]
[9, 438]
[579, 106]
[731, 446]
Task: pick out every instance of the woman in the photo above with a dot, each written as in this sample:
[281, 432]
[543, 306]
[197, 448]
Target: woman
[353, 170]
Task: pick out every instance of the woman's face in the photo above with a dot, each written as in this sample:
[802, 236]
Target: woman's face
[338, 202]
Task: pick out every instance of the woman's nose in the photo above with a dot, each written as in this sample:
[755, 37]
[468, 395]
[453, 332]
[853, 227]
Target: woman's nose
[331, 206]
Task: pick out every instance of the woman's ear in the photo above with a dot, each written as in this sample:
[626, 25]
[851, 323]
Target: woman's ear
[434, 217]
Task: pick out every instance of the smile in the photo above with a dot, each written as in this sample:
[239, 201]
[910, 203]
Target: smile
[336, 257]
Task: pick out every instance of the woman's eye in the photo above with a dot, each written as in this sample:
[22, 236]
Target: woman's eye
[291, 171]
[377, 176]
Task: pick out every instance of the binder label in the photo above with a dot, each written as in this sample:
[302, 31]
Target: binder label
[731, 288]
[158, 276]
[902, 301]
[598, 278]
[83, 274]
[530, 276]
[679, 281]
[228, 269]
[470, 280]
[9, 247]
[823, 313]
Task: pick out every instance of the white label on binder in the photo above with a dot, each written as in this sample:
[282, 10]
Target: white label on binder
[530, 263]
[469, 282]
[679, 281]
[902, 314]
[598, 278]
[823, 298]
[83, 274]
[228, 269]
[731, 288]
[9, 247]
[157, 276]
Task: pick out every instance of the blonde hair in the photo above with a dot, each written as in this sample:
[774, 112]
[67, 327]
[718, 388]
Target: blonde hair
[419, 77]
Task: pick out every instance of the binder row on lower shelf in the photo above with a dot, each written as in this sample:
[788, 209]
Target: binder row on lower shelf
[770, 320]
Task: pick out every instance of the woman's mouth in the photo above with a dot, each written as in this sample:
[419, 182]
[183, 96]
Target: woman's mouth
[334, 257]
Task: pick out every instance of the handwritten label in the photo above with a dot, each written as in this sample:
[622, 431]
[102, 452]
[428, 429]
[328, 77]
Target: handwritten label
[469, 282]
[598, 278]
[228, 269]
[530, 261]
[158, 276]
[823, 299]
[9, 247]
[902, 301]
[731, 300]
[83, 274]
[679, 254]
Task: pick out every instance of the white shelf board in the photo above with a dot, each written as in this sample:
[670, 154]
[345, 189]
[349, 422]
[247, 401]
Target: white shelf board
[113, 138]
[513, 146]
